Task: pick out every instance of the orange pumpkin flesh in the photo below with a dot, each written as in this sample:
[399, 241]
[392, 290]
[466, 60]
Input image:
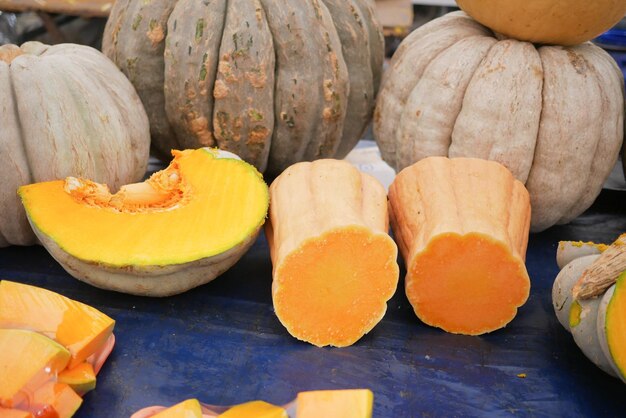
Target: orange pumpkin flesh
[79, 327]
[615, 326]
[334, 264]
[352, 403]
[462, 226]
[186, 409]
[61, 397]
[255, 409]
[14, 413]
[19, 378]
[81, 378]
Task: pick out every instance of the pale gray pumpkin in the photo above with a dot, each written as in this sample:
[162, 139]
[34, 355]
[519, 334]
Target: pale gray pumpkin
[274, 81]
[552, 115]
[66, 111]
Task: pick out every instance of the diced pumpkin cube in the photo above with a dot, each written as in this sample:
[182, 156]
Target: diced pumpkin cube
[81, 378]
[186, 409]
[255, 409]
[351, 403]
[79, 327]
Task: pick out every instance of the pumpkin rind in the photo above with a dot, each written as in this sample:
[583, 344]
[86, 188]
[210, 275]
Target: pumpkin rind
[557, 22]
[68, 111]
[543, 113]
[272, 113]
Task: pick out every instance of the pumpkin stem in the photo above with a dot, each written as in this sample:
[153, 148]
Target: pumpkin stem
[603, 273]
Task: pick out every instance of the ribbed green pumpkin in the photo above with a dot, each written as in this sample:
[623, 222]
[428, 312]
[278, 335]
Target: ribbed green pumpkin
[274, 81]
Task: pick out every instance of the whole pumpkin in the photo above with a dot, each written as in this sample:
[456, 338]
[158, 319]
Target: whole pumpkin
[274, 81]
[66, 111]
[552, 115]
[559, 22]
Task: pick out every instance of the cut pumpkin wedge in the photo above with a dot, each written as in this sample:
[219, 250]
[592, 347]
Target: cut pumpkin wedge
[615, 326]
[57, 398]
[181, 228]
[79, 327]
[19, 379]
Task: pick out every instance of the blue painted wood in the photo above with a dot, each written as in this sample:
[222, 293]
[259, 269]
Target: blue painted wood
[223, 344]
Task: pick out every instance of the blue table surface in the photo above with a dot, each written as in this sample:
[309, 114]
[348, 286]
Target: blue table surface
[223, 344]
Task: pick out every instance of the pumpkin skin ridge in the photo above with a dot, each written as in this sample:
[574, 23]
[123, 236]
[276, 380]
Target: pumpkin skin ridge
[156, 265]
[138, 59]
[596, 135]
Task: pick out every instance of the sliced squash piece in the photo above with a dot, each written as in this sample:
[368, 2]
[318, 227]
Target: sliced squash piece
[81, 378]
[181, 228]
[186, 409]
[614, 328]
[14, 413]
[255, 409]
[351, 403]
[59, 396]
[462, 226]
[27, 361]
[334, 263]
[79, 327]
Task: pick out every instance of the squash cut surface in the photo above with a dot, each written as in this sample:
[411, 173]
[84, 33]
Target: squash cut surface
[79, 327]
[466, 283]
[198, 207]
[19, 378]
[462, 226]
[81, 378]
[616, 326]
[60, 397]
[352, 403]
[14, 413]
[334, 287]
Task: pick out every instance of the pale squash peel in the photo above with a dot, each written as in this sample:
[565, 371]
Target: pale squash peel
[334, 264]
[181, 228]
[462, 226]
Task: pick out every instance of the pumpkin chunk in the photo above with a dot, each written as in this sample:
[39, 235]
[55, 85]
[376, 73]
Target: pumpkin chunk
[615, 326]
[186, 409]
[355, 403]
[255, 409]
[462, 226]
[56, 396]
[334, 264]
[14, 413]
[181, 228]
[19, 378]
[79, 327]
[81, 378]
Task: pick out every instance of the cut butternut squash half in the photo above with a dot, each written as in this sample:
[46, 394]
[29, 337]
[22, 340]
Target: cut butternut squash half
[20, 378]
[81, 378]
[334, 265]
[462, 226]
[186, 409]
[351, 403]
[79, 327]
[255, 409]
[181, 228]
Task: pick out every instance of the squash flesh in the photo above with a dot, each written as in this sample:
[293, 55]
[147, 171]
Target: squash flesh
[19, 378]
[79, 327]
[59, 396]
[255, 409]
[186, 409]
[353, 403]
[81, 378]
[466, 283]
[334, 288]
[616, 326]
[224, 199]
[462, 226]
[14, 413]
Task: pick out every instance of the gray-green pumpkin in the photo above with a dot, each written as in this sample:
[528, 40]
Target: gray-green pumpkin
[274, 81]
